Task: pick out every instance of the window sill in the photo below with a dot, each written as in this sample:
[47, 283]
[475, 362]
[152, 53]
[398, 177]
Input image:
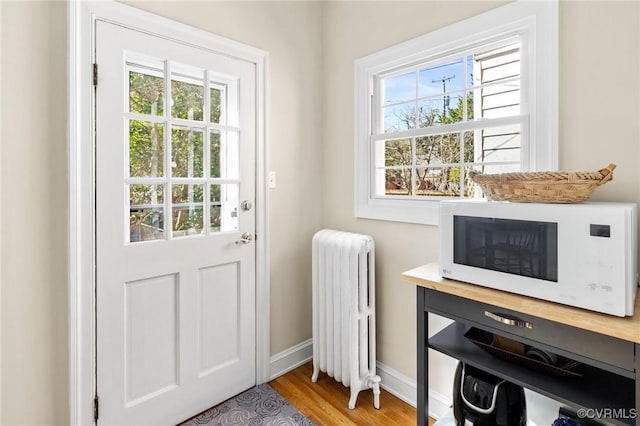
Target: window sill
[424, 212]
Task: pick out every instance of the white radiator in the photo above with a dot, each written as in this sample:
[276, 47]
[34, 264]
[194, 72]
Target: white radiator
[344, 322]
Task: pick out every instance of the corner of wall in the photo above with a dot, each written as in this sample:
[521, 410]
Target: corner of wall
[324, 57]
[290, 359]
[1, 109]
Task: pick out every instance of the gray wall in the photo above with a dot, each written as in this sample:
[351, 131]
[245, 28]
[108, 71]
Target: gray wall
[34, 201]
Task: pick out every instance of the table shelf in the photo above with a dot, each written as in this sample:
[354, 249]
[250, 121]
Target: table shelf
[596, 389]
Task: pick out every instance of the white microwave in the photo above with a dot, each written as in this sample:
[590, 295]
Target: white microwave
[582, 255]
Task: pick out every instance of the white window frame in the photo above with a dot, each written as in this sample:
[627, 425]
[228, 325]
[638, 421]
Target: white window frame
[537, 25]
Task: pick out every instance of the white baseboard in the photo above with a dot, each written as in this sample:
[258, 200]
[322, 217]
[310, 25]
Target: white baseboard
[405, 388]
[439, 404]
[392, 380]
[397, 383]
[291, 358]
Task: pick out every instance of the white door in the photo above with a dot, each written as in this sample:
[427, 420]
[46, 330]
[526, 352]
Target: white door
[175, 292]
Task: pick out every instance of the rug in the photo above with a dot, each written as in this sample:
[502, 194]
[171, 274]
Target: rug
[259, 406]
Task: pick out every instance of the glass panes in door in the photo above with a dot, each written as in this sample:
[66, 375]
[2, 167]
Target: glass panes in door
[146, 149]
[146, 212]
[187, 209]
[187, 92]
[187, 152]
[183, 151]
[146, 86]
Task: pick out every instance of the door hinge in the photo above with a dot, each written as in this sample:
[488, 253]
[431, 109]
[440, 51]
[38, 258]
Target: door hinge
[95, 74]
[95, 408]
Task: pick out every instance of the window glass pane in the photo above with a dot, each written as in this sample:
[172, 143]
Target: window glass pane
[500, 70]
[400, 88]
[430, 112]
[443, 78]
[399, 117]
[451, 181]
[469, 80]
[497, 99]
[438, 149]
[502, 100]
[225, 154]
[448, 109]
[500, 112]
[468, 106]
[215, 222]
[397, 152]
[397, 182]
[499, 56]
[187, 152]
[428, 150]
[146, 90]
[215, 141]
[504, 137]
[426, 181]
[472, 108]
[146, 149]
[498, 64]
[224, 207]
[146, 213]
[216, 97]
[187, 210]
[503, 87]
[469, 146]
[500, 144]
[454, 108]
[438, 181]
[187, 93]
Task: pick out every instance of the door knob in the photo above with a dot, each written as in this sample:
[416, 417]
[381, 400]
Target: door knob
[245, 238]
[246, 205]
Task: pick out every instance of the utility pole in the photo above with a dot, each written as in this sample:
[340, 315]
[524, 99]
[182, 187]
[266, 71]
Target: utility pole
[445, 98]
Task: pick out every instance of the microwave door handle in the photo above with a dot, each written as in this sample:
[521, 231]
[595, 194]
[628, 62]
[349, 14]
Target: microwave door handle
[508, 321]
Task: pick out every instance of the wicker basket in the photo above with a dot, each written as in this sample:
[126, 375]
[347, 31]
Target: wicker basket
[542, 187]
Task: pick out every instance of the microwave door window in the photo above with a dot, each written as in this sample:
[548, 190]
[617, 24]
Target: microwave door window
[525, 248]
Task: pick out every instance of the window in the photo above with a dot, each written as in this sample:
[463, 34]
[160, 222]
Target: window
[183, 151]
[471, 96]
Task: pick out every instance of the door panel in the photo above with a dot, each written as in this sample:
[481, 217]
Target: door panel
[219, 317]
[151, 337]
[175, 155]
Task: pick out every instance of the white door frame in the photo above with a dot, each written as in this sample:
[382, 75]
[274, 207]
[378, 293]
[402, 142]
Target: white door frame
[82, 16]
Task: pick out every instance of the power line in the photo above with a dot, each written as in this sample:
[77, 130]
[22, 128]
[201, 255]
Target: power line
[445, 98]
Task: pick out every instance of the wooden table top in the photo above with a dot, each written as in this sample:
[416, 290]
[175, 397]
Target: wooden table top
[627, 328]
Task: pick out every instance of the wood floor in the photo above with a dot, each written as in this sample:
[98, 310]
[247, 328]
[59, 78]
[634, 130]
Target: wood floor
[325, 402]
